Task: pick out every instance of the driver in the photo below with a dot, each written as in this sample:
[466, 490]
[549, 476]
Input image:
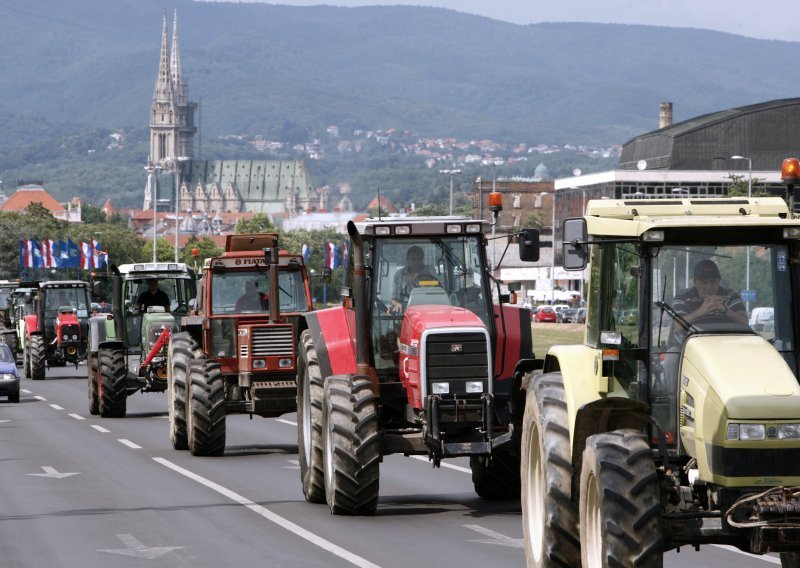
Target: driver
[406, 278]
[153, 296]
[707, 298]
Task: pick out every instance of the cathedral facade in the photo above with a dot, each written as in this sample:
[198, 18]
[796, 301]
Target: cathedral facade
[279, 188]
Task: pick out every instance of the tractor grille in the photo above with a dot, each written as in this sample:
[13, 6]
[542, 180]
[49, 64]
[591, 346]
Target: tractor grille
[456, 356]
[273, 340]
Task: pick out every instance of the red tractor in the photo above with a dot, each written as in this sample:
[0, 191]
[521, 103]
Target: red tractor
[419, 360]
[237, 352]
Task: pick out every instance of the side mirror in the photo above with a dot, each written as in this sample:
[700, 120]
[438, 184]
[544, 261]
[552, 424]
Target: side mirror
[192, 303]
[97, 289]
[529, 245]
[575, 249]
[514, 286]
[327, 275]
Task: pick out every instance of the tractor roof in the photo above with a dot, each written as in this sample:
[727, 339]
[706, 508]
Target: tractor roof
[64, 284]
[155, 270]
[443, 225]
[632, 217]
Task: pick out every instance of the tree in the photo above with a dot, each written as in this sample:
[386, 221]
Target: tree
[260, 223]
[165, 251]
[206, 248]
[429, 210]
[91, 214]
[533, 221]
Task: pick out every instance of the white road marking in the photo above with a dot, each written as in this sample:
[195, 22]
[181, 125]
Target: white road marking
[1, 421]
[495, 537]
[129, 444]
[77, 416]
[37, 397]
[56, 407]
[100, 428]
[51, 472]
[289, 422]
[26, 391]
[763, 558]
[295, 464]
[138, 550]
[272, 517]
[443, 464]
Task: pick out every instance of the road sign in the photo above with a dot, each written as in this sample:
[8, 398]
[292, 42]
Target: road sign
[748, 295]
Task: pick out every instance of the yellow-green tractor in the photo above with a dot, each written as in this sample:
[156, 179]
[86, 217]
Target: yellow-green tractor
[679, 426]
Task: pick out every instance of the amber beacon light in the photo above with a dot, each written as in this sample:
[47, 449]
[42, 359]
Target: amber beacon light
[790, 171]
[496, 201]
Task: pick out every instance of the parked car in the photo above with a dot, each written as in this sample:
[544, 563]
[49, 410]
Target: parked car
[9, 378]
[580, 315]
[545, 313]
[566, 315]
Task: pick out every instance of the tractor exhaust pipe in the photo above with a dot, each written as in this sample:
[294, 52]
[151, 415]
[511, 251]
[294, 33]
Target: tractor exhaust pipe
[271, 258]
[360, 304]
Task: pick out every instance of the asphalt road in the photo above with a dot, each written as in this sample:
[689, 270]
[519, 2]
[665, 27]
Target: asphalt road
[82, 491]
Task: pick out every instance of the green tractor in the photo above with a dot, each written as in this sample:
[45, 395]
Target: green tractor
[680, 426]
[128, 348]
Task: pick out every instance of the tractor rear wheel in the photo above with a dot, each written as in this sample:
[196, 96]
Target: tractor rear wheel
[549, 516]
[620, 507]
[351, 445]
[181, 351]
[37, 353]
[113, 392]
[497, 478]
[309, 421]
[206, 408]
[94, 398]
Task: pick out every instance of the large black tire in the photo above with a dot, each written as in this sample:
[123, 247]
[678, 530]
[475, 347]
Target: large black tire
[497, 479]
[112, 385]
[206, 406]
[93, 379]
[351, 445]
[549, 516]
[36, 352]
[620, 507]
[309, 421]
[26, 360]
[790, 559]
[181, 350]
[13, 397]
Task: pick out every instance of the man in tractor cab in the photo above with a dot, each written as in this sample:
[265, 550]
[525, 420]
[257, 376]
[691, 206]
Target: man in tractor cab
[153, 296]
[252, 300]
[706, 298]
[407, 277]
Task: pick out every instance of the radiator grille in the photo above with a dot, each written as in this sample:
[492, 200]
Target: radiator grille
[456, 356]
[272, 341]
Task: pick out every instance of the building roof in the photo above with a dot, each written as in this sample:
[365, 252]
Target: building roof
[27, 194]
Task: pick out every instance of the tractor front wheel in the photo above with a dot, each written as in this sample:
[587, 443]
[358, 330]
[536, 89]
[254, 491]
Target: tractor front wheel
[620, 507]
[205, 408]
[351, 445]
[37, 356]
[113, 394]
[309, 421]
[181, 351]
[549, 516]
[498, 477]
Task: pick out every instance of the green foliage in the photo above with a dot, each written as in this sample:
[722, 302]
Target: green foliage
[430, 210]
[294, 240]
[532, 221]
[165, 250]
[206, 248]
[260, 223]
[91, 214]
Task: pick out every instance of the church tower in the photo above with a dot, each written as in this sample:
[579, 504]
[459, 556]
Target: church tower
[172, 125]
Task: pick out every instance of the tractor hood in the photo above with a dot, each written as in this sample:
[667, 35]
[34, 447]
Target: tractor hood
[748, 376]
[420, 318]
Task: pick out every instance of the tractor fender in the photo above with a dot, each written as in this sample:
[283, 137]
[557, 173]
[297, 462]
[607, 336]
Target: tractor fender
[31, 324]
[333, 334]
[102, 333]
[523, 374]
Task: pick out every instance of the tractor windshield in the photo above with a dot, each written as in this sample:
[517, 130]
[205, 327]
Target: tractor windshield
[248, 292]
[441, 270]
[72, 297]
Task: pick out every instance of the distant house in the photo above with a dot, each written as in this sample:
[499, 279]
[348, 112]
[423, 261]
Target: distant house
[32, 193]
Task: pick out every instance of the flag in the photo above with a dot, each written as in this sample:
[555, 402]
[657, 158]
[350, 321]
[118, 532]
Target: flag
[331, 255]
[23, 254]
[37, 261]
[306, 252]
[74, 254]
[99, 256]
[86, 256]
[345, 255]
[49, 256]
[63, 254]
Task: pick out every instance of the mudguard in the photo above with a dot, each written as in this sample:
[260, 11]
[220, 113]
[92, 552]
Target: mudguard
[514, 342]
[333, 331]
[102, 332]
[31, 324]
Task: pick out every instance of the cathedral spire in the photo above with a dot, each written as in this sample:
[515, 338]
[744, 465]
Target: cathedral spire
[175, 64]
[163, 91]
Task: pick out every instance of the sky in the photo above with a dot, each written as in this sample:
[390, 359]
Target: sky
[764, 19]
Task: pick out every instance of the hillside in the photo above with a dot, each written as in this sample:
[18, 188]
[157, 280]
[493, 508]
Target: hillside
[433, 71]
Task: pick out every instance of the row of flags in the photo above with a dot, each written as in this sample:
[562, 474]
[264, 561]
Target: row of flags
[61, 254]
[331, 254]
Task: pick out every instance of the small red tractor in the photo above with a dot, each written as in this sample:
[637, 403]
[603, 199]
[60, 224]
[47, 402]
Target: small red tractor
[425, 367]
[237, 353]
[55, 333]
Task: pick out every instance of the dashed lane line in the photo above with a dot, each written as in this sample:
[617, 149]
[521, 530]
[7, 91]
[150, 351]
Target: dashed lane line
[443, 464]
[56, 407]
[305, 534]
[289, 422]
[100, 428]
[43, 399]
[130, 444]
[77, 416]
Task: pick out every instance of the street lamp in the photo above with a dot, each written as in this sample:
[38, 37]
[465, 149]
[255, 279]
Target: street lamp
[174, 164]
[153, 183]
[749, 195]
[553, 239]
[450, 173]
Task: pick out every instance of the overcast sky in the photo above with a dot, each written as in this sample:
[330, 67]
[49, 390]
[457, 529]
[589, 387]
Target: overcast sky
[766, 19]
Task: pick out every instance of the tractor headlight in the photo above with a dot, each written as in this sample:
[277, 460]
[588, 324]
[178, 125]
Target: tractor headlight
[284, 363]
[474, 386]
[259, 363]
[752, 431]
[75, 336]
[788, 431]
[440, 388]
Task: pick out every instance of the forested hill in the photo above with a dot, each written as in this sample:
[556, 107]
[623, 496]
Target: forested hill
[257, 67]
